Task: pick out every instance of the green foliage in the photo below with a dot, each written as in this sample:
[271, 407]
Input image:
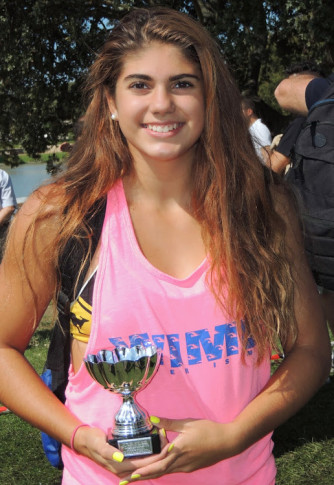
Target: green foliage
[46, 47]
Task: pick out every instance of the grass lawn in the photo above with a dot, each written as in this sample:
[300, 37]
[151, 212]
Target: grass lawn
[43, 157]
[304, 446]
[22, 460]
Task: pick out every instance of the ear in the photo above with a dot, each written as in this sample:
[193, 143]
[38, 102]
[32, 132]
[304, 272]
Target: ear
[112, 106]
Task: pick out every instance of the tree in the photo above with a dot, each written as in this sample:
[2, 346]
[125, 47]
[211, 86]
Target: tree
[261, 38]
[47, 45]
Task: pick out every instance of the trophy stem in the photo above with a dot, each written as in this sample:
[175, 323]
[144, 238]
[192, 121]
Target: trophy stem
[131, 420]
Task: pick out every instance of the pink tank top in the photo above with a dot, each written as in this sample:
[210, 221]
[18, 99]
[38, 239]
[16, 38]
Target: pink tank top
[201, 374]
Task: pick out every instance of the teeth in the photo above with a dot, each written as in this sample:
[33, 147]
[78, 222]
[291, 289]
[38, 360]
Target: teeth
[164, 128]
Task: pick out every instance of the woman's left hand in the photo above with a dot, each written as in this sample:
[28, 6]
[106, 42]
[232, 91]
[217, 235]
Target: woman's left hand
[199, 444]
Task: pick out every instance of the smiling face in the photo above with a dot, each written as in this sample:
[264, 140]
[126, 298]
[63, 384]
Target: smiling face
[159, 104]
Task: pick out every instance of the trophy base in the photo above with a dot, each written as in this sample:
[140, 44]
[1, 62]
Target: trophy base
[143, 445]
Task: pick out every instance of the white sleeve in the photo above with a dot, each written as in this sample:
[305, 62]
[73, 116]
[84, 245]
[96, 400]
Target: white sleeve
[7, 192]
[261, 133]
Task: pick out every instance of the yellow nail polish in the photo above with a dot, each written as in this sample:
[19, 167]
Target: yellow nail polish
[124, 482]
[171, 446]
[118, 456]
[163, 432]
[154, 419]
[136, 475]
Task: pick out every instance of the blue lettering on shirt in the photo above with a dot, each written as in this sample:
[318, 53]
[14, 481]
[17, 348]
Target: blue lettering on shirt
[199, 343]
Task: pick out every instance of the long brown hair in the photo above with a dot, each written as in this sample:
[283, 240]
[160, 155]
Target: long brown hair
[232, 198]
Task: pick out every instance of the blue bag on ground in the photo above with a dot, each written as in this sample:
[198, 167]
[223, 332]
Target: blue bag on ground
[51, 447]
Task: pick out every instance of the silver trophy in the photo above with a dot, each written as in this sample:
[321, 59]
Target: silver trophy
[125, 371]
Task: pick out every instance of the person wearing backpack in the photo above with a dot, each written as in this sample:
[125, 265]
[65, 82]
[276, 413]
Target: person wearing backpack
[196, 254]
[282, 145]
[304, 84]
[306, 88]
[305, 71]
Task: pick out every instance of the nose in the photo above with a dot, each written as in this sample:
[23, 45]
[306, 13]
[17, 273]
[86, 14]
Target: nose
[162, 100]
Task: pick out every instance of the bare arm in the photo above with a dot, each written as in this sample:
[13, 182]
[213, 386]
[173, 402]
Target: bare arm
[203, 443]
[5, 214]
[278, 162]
[307, 361]
[265, 151]
[290, 93]
[21, 389]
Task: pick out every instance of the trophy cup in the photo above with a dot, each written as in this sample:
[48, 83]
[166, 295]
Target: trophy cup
[125, 371]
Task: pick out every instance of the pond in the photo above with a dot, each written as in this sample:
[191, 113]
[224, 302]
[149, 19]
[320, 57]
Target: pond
[26, 178]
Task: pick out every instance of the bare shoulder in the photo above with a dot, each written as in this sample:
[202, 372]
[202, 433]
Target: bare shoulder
[32, 235]
[28, 275]
[43, 210]
[44, 200]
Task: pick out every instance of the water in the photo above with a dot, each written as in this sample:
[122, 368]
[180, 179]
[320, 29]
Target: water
[26, 178]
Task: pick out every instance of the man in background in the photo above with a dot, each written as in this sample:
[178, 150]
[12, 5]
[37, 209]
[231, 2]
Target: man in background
[259, 132]
[304, 85]
[298, 78]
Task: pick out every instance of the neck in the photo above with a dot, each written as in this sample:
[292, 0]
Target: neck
[252, 120]
[161, 183]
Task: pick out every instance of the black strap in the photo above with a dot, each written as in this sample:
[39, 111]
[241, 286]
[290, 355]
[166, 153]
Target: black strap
[58, 357]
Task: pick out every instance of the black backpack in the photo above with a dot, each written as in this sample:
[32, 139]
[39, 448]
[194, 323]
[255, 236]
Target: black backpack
[55, 373]
[312, 174]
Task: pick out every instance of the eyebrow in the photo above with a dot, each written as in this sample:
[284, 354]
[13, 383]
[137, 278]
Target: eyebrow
[145, 77]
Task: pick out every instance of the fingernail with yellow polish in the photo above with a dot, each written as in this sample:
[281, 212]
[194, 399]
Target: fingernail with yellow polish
[163, 432]
[124, 482]
[119, 457]
[171, 446]
[136, 475]
[154, 419]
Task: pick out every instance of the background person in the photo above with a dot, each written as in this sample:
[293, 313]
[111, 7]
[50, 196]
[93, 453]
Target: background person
[281, 151]
[304, 85]
[300, 75]
[259, 132]
[183, 260]
[7, 206]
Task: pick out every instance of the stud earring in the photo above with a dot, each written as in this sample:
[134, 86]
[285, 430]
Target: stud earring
[113, 116]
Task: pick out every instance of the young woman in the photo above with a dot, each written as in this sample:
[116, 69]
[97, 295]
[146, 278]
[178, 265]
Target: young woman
[195, 254]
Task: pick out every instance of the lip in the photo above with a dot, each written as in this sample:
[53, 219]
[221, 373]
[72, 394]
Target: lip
[163, 129]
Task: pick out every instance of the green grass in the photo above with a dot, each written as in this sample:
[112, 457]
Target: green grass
[21, 455]
[43, 157]
[304, 445]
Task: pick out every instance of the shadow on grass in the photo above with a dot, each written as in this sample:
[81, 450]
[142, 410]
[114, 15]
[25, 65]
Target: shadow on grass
[313, 423]
[40, 337]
